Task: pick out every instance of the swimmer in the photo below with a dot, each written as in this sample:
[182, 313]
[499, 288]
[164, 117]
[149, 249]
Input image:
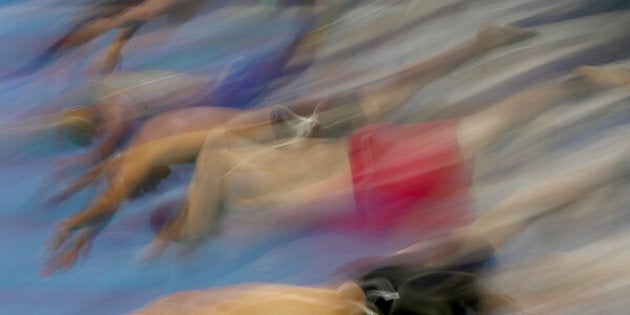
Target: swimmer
[124, 98]
[263, 299]
[446, 276]
[338, 105]
[126, 16]
[338, 115]
[373, 180]
[468, 135]
[230, 153]
[104, 16]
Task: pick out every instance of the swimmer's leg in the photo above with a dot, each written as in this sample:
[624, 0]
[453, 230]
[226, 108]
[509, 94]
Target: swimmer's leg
[577, 277]
[522, 208]
[346, 111]
[87, 223]
[482, 129]
[511, 216]
[381, 99]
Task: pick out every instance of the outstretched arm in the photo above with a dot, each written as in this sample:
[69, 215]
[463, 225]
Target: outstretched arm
[518, 211]
[340, 113]
[391, 93]
[573, 279]
[478, 131]
[131, 169]
[125, 16]
[107, 17]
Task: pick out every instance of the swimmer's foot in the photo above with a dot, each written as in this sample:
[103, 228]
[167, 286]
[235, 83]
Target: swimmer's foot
[496, 35]
[603, 76]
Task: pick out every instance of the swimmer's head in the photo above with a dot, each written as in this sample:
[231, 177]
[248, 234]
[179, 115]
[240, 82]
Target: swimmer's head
[79, 126]
[426, 292]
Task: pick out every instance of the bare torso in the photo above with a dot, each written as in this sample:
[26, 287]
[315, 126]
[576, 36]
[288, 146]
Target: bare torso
[313, 175]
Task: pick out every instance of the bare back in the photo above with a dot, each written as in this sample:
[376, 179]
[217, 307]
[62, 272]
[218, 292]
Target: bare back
[283, 176]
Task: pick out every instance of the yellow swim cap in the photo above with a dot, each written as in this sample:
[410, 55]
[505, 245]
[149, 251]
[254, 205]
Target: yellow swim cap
[78, 127]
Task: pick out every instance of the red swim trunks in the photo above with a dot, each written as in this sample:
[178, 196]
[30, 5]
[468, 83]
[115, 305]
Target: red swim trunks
[409, 177]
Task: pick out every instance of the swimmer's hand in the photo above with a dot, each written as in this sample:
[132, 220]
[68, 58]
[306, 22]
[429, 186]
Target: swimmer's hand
[77, 232]
[66, 245]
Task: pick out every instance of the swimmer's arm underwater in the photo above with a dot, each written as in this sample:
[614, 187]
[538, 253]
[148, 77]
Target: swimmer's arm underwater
[131, 170]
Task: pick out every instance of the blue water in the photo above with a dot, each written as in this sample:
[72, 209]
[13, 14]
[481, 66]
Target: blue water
[111, 279]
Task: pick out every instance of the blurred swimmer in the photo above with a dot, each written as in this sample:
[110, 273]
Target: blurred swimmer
[275, 299]
[126, 16]
[101, 17]
[377, 179]
[124, 98]
[338, 114]
[446, 275]
[382, 176]
[105, 15]
[229, 149]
